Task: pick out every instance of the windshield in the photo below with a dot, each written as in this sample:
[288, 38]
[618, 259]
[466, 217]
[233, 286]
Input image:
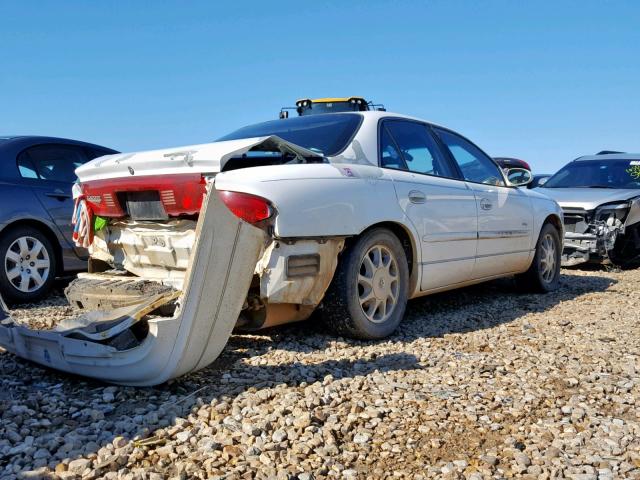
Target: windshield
[326, 134]
[597, 174]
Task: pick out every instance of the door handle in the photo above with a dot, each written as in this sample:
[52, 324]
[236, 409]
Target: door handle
[485, 204]
[416, 196]
[59, 194]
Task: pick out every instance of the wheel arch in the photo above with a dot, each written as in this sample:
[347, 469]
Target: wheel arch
[43, 228]
[554, 220]
[408, 243]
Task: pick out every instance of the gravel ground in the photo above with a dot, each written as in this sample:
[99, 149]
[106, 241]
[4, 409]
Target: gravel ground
[478, 383]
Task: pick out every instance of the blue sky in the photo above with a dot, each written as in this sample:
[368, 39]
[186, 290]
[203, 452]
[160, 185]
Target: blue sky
[543, 81]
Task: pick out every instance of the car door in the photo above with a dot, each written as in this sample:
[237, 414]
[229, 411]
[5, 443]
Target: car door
[54, 166]
[505, 214]
[441, 207]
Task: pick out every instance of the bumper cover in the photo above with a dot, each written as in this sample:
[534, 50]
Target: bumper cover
[594, 245]
[216, 284]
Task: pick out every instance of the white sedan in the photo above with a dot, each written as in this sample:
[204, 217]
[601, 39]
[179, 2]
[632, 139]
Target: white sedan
[349, 213]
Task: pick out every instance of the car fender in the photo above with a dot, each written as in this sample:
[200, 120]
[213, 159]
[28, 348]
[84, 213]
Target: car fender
[633, 216]
[543, 207]
[20, 204]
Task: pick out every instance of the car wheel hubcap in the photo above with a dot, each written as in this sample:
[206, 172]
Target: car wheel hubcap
[378, 284]
[548, 258]
[27, 264]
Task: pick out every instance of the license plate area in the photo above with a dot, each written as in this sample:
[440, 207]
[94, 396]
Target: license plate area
[143, 205]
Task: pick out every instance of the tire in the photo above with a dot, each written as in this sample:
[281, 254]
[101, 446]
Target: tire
[27, 264]
[367, 297]
[625, 254]
[544, 273]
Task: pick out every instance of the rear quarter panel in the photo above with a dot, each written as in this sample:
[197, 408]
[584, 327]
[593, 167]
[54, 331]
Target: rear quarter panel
[316, 200]
[18, 203]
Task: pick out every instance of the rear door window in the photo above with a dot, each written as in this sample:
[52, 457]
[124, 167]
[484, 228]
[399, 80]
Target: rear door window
[475, 165]
[409, 146]
[51, 162]
[26, 167]
[390, 156]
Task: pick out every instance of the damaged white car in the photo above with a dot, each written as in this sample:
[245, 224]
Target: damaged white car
[600, 199]
[353, 213]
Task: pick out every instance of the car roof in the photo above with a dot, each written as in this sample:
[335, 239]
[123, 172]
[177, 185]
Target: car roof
[384, 114]
[609, 156]
[20, 140]
[11, 146]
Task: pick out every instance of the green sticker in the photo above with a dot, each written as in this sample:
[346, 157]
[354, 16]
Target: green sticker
[634, 171]
[99, 223]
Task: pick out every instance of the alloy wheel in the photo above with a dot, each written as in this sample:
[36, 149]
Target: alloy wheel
[378, 284]
[27, 264]
[548, 258]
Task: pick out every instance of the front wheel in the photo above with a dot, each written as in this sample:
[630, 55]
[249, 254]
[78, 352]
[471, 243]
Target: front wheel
[368, 295]
[544, 273]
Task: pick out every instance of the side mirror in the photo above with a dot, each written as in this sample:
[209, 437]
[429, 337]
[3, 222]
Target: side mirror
[517, 177]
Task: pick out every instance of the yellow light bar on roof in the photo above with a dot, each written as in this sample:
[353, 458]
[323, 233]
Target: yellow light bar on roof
[328, 100]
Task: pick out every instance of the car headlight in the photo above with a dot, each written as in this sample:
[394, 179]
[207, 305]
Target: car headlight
[613, 211]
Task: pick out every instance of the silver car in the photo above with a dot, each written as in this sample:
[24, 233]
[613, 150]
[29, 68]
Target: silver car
[600, 199]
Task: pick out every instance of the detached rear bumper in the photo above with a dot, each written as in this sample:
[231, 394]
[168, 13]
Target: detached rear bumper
[215, 288]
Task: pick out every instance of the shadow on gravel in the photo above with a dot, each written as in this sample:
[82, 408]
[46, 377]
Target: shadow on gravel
[477, 307]
[77, 416]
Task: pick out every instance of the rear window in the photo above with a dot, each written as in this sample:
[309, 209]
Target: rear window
[326, 134]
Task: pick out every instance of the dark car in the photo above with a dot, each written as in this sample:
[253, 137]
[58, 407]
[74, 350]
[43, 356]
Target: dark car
[36, 205]
[539, 179]
[508, 162]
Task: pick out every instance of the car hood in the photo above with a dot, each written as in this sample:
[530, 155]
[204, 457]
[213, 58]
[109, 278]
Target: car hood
[202, 158]
[587, 198]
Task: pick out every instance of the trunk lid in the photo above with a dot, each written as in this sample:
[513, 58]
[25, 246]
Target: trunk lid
[208, 158]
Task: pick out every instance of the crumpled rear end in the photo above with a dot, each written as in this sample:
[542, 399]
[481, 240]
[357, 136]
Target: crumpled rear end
[131, 347]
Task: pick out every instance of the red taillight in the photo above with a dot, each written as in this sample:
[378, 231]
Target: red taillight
[250, 208]
[180, 194]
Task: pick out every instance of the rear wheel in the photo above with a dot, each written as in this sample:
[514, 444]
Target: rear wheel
[544, 273]
[368, 295]
[27, 264]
